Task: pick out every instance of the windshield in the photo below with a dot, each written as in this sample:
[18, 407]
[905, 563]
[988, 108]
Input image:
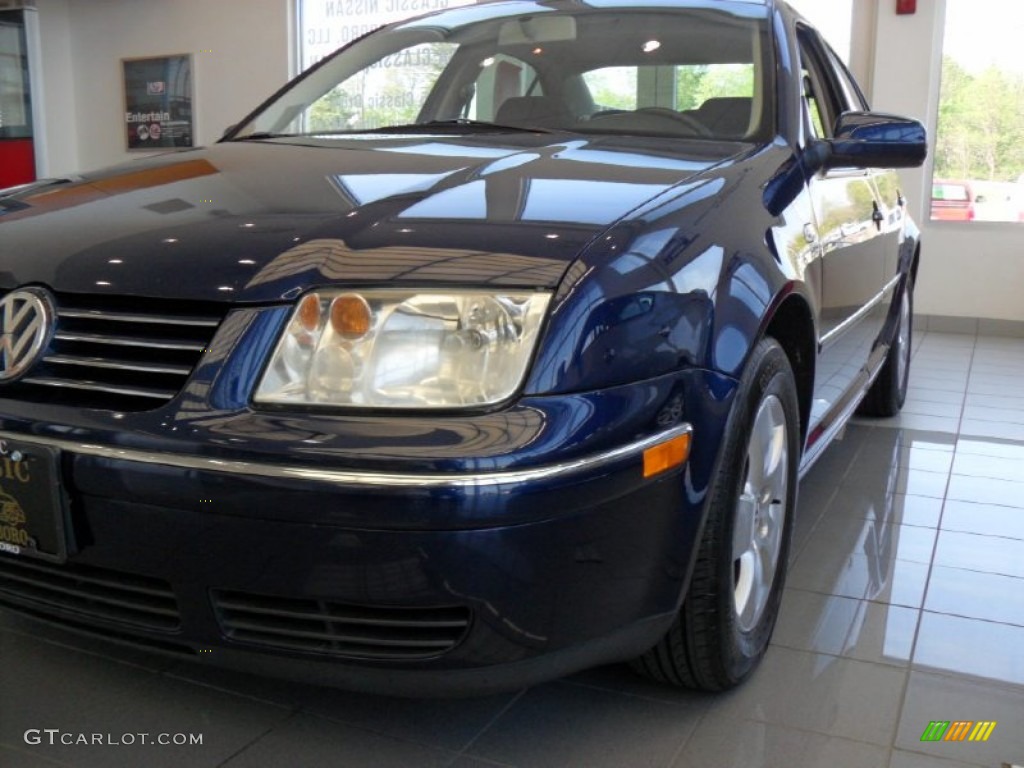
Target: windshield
[684, 72]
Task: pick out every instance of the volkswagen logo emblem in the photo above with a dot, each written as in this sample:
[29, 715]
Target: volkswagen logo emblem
[26, 323]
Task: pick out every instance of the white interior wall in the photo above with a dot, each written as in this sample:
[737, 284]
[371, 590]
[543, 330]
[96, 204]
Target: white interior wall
[54, 87]
[862, 44]
[968, 270]
[241, 54]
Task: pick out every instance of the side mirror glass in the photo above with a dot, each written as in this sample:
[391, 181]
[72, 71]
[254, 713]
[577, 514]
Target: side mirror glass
[875, 140]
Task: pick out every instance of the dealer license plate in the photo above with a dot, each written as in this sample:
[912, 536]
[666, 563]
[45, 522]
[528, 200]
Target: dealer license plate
[31, 510]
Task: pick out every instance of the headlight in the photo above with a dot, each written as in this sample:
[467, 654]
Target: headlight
[390, 349]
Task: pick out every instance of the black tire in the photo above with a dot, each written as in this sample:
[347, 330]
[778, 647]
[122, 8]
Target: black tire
[708, 647]
[889, 391]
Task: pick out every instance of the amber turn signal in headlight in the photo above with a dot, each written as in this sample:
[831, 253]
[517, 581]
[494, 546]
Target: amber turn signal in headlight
[667, 455]
[351, 316]
[404, 349]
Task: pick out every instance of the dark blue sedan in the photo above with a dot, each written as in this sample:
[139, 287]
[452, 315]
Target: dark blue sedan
[491, 348]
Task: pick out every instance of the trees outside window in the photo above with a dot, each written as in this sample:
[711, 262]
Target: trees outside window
[979, 147]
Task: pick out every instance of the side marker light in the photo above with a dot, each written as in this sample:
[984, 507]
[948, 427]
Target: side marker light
[667, 455]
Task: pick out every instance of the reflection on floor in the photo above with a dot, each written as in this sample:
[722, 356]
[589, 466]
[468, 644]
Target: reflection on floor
[905, 605]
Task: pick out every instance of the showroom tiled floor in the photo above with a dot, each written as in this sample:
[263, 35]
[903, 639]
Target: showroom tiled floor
[905, 604]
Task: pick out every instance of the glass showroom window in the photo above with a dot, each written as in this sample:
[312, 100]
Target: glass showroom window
[324, 26]
[979, 153]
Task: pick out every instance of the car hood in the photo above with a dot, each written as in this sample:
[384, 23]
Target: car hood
[261, 221]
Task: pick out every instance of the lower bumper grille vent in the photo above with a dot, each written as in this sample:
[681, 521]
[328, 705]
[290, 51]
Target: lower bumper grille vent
[333, 629]
[96, 593]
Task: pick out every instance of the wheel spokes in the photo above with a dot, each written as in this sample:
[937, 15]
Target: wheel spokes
[743, 529]
[760, 513]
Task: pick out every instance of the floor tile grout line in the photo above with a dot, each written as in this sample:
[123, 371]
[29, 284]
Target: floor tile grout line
[795, 556]
[783, 726]
[1000, 537]
[920, 608]
[931, 564]
[305, 711]
[917, 626]
[898, 665]
[981, 503]
[70, 646]
[803, 729]
[974, 618]
[941, 761]
[627, 694]
[291, 715]
[908, 663]
[862, 597]
[966, 678]
[487, 726]
[170, 674]
[686, 742]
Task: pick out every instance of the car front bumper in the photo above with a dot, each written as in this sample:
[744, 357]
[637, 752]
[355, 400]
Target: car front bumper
[274, 568]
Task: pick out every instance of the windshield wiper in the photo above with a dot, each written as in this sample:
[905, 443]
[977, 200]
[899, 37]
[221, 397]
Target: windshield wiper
[464, 123]
[460, 123]
[259, 135]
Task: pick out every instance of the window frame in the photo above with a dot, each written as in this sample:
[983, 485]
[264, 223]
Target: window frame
[826, 95]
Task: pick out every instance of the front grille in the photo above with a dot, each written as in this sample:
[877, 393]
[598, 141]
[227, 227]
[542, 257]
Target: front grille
[90, 592]
[344, 631]
[118, 354]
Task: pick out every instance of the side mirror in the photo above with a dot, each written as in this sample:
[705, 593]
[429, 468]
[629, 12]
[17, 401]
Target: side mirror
[875, 140]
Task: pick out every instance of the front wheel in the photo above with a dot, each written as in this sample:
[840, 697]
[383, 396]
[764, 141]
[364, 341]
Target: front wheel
[727, 618]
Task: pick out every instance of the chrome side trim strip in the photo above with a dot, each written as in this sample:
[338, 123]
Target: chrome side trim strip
[860, 314]
[357, 479]
[124, 317]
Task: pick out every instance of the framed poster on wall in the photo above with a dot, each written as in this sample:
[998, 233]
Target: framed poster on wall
[158, 102]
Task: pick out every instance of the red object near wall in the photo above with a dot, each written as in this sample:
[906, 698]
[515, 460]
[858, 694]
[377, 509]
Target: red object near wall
[906, 6]
[17, 162]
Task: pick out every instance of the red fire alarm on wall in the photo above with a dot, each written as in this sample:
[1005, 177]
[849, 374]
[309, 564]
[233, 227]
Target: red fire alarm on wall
[906, 6]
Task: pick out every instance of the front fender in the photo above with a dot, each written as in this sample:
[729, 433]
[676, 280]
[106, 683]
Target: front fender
[689, 281]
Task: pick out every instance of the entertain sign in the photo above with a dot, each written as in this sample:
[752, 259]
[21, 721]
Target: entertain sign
[158, 102]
